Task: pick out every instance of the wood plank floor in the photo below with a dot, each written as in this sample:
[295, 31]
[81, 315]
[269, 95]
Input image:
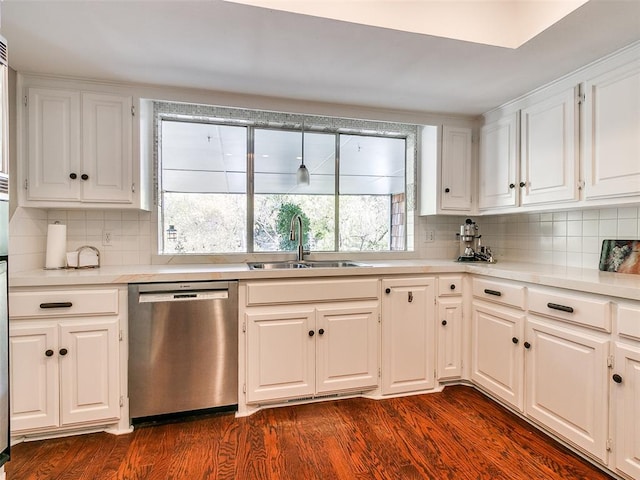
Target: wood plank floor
[457, 434]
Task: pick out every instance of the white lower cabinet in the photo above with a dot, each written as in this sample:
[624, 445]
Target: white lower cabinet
[496, 352]
[297, 351]
[408, 337]
[625, 401]
[566, 382]
[449, 339]
[63, 373]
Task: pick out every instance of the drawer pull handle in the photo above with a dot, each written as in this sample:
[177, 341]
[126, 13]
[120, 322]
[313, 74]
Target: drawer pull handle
[562, 308]
[452, 286]
[49, 353]
[444, 323]
[56, 305]
[515, 340]
[63, 351]
[492, 292]
[617, 378]
[527, 345]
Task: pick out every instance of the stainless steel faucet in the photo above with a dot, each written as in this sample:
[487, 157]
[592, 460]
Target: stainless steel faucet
[292, 235]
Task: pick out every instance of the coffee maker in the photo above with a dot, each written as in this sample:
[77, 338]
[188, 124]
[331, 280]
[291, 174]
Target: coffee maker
[471, 248]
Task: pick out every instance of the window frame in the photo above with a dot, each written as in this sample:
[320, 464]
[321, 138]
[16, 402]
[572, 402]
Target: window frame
[259, 119]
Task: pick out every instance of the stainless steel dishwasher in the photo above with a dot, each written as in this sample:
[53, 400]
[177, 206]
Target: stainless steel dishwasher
[183, 347]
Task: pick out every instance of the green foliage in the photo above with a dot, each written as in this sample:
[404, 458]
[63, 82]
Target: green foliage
[285, 213]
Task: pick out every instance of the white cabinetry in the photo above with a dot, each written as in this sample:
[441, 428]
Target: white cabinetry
[575, 141]
[446, 175]
[498, 165]
[566, 382]
[76, 146]
[625, 392]
[408, 344]
[549, 150]
[611, 126]
[64, 357]
[449, 327]
[305, 340]
[497, 330]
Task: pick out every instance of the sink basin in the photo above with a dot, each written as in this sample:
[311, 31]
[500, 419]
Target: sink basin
[303, 264]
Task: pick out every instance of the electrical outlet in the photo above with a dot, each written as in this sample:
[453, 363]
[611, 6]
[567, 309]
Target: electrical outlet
[107, 238]
[431, 236]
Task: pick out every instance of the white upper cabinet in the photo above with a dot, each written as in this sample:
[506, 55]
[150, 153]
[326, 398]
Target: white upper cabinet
[446, 172]
[53, 149]
[549, 150]
[575, 141]
[106, 148]
[498, 167]
[612, 133]
[76, 146]
[455, 191]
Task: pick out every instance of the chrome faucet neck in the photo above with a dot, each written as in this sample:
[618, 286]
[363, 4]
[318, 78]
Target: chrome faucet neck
[292, 235]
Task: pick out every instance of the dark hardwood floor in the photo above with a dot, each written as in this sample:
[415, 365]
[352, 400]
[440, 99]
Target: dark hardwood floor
[457, 434]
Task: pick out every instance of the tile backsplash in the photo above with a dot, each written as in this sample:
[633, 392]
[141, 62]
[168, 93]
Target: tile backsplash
[571, 238]
[129, 231]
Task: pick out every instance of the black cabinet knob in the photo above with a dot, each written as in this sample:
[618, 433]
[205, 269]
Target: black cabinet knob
[321, 331]
[311, 333]
[447, 190]
[49, 353]
[388, 290]
[84, 176]
[522, 184]
[452, 286]
[63, 351]
[73, 176]
[617, 378]
[515, 340]
[512, 185]
[527, 345]
[444, 323]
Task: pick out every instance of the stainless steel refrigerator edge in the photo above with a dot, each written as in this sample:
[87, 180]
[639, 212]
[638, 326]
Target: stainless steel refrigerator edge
[4, 259]
[183, 347]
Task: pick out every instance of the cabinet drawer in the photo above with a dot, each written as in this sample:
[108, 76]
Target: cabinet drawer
[590, 311]
[500, 292]
[305, 291]
[450, 286]
[58, 303]
[629, 321]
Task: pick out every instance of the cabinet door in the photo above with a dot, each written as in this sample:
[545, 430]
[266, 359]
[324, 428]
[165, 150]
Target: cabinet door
[106, 148]
[498, 163]
[612, 123]
[408, 344]
[347, 347]
[53, 145]
[497, 352]
[566, 383]
[89, 371]
[455, 188]
[33, 359]
[280, 353]
[626, 405]
[449, 332]
[549, 150]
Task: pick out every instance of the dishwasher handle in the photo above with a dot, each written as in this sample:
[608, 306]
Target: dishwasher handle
[184, 296]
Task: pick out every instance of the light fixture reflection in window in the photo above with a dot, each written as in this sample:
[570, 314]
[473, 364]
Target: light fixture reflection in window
[302, 175]
[172, 233]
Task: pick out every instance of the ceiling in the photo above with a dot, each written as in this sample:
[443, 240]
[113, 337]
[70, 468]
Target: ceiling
[229, 47]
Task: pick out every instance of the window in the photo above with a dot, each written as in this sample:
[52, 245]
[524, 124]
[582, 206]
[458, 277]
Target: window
[227, 183]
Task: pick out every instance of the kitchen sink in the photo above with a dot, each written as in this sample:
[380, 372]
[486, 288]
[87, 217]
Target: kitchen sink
[303, 264]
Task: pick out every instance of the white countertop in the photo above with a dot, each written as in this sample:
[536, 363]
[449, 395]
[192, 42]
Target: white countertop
[582, 279]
